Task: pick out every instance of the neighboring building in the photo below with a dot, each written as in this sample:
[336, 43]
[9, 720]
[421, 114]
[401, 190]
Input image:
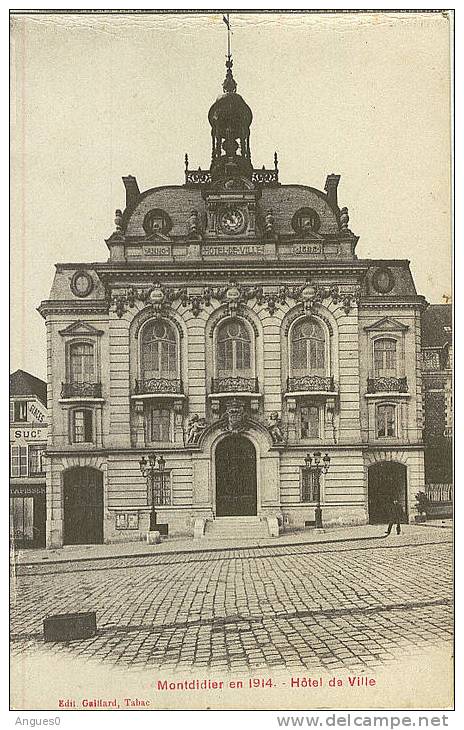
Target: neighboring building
[437, 346]
[232, 330]
[28, 442]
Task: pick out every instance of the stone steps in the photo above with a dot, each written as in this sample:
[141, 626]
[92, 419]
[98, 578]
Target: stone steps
[235, 527]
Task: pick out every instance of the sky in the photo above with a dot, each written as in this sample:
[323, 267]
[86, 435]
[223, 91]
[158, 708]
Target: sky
[366, 96]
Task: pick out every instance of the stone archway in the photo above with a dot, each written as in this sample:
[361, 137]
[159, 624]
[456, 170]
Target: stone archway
[387, 480]
[236, 477]
[83, 506]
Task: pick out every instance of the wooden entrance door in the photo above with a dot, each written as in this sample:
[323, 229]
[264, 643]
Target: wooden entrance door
[236, 488]
[83, 506]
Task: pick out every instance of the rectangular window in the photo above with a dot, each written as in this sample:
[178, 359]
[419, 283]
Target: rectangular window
[82, 430]
[20, 410]
[36, 465]
[385, 421]
[309, 422]
[81, 363]
[385, 358]
[18, 461]
[161, 488]
[160, 424]
[309, 485]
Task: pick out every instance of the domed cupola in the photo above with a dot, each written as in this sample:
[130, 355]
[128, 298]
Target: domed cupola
[230, 118]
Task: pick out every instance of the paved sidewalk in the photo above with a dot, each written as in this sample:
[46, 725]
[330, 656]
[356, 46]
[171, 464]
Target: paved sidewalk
[189, 545]
[350, 599]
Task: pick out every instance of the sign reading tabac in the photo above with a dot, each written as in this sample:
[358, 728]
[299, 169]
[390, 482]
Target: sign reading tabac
[234, 249]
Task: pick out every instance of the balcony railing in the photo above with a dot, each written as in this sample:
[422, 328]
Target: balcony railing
[387, 385]
[439, 492]
[234, 385]
[309, 383]
[260, 176]
[158, 385]
[81, 390]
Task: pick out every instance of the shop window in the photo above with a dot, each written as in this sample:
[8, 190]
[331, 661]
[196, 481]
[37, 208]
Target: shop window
[82, 426]
[385, 358]
[18, 461]
[386, 421]
[309, 422]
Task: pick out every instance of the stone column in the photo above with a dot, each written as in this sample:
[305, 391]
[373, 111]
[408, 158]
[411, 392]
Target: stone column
[179, 422]
[139, 424]
[291, 419]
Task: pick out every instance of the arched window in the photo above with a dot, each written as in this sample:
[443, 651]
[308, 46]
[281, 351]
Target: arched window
[233, 350]
[158, 351]
[307, 348]
[385, 358]
[81, 362]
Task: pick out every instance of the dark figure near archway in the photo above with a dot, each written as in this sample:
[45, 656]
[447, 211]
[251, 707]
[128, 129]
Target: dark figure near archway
[396, 515]
[235, 477]
[386, 482]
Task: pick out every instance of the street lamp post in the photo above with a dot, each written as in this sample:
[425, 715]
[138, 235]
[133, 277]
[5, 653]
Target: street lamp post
[317, 469]
[149, 470]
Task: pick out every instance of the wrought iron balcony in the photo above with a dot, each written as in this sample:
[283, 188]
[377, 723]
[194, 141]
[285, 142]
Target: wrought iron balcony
[311, 383]
[387, 385]
[81, 390]
[158, 385]
[234, 385]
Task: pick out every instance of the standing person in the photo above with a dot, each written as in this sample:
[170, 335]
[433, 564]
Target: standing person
[396, 513]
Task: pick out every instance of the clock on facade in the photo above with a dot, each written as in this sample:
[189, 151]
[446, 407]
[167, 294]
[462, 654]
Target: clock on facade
[232, 220]
[81, 284]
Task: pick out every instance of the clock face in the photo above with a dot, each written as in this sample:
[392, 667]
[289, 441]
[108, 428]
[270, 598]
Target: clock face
[232, 220]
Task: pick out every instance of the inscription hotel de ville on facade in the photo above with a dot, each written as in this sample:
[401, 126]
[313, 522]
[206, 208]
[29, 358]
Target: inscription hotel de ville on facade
[231, 331]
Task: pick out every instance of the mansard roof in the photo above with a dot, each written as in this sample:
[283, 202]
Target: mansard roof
[23, 383]
[178, 201]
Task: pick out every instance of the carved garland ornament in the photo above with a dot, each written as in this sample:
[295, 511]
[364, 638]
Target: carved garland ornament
[233, 295]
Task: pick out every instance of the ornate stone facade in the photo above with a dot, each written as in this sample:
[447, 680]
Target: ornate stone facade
[232, 307]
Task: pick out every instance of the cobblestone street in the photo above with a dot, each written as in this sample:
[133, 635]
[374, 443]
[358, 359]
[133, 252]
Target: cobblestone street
[352, 604]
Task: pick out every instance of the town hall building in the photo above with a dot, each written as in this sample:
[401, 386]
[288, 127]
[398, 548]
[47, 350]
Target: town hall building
[232, 362]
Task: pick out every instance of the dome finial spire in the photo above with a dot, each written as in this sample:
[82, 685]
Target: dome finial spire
[229, 85]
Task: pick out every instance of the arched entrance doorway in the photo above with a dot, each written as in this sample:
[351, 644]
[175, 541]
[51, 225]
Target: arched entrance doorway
[83, 506]
[386, 482]
[236, 487]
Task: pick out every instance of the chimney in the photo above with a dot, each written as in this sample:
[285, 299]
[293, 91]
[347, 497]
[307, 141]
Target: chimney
[331, 185]
[132, 190]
